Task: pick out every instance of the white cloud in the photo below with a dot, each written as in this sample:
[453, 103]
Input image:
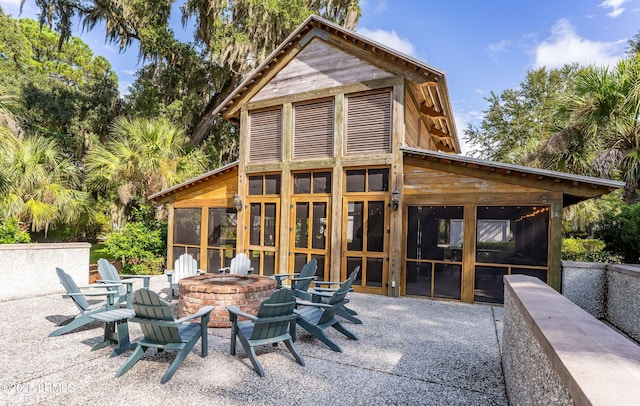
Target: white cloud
[390, 39]
[498, 46]
[615, 5]
[566, 46]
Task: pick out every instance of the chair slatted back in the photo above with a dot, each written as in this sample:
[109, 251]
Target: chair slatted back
[307, 271]
[274, 315]
[240, 264]
[109, 272]
[337, 300]
[150, 309]
[184, 267]
[71, 287]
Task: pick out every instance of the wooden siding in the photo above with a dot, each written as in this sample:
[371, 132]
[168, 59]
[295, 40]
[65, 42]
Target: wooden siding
[368, 123]
[217, 192]
[313, 130]
[265, 135]
[460, 189]
[319, 66]
[412, 122]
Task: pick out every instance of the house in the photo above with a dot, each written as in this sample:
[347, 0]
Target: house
[349, 154]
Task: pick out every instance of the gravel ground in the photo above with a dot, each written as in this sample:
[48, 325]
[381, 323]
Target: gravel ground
[409, 351]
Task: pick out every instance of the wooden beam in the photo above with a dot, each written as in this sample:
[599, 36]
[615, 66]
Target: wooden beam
[431, 112]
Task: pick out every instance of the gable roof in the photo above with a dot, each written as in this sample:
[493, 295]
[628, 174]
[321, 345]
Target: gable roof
[575, 188]
[428, 83]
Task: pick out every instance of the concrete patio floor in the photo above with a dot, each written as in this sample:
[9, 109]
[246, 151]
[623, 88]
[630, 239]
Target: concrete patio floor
[410, 351]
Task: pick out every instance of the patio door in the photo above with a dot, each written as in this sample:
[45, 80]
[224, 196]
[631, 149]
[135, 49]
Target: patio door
[310, 228]
[365, 241]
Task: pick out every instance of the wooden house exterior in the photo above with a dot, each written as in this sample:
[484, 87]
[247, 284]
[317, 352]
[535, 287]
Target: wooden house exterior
[349, 154]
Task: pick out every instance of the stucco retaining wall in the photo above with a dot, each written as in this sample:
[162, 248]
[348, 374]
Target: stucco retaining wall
[584, 283]
[556, 353]
[28, 270]
[623, 298]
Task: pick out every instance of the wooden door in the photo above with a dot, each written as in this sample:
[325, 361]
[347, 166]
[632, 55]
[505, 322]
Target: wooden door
[365, 241]
[309, 233]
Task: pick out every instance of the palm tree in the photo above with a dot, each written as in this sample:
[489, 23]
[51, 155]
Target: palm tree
[605, 117]
[42, 186]
[141, 157]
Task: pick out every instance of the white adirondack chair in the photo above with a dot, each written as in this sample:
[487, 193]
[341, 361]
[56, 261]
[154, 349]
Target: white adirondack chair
[184, 267]
[240, 265]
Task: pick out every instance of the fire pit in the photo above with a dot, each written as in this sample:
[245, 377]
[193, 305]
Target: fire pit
[244, 291]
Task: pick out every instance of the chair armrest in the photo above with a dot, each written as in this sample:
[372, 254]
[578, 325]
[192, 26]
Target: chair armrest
[203, 311]
[101, 285]
[224, 269]
[200, 272]
[115, 283]
[235, 311]
[314, 292]
[328, 283]
[106, 293]
[316, 304]
[250, 271]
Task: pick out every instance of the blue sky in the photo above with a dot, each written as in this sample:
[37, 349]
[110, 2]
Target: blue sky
[482, 45]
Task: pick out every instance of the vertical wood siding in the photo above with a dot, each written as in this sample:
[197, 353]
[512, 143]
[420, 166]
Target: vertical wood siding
[265, 134]
[369, 123]
[313, 130]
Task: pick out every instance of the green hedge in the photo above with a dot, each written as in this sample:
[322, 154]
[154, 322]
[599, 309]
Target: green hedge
[585, 250]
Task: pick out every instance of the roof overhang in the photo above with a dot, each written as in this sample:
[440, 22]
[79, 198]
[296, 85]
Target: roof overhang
[428, 82]
[575, 188]
[165, 195]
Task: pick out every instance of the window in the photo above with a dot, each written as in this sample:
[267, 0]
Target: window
[509, 240]
[265, 132]
[264, 185]
[369, 180]
[221, 237]
[313, 130]
[187, 224]
[311, 183]
[368, 123]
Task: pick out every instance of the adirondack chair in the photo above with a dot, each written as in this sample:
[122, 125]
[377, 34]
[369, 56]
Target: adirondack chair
[163, 332]
[315, 317]
[184, 267]
[240, 265]
[300, 282]
[321, 293]
[270, 326]
[109, 274]
[80, 299]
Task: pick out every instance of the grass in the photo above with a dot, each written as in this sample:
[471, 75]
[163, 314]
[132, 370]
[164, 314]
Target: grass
[97, 252]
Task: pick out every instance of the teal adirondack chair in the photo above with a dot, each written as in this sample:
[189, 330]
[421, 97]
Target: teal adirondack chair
[163, 332]
[80, 299]
[325, 293]
[270, 326]
[315, 317]
[300, 282]
[109, 274]
[184, 267]
[240, 265]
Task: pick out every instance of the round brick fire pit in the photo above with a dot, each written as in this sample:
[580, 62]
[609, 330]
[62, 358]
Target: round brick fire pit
[244, 291]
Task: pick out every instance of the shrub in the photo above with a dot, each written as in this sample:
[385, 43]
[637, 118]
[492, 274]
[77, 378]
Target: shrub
[11, 234]
[583, 250]
[620, 231]
[140, 246]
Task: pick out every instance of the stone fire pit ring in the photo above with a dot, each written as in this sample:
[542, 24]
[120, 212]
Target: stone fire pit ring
[219, 291]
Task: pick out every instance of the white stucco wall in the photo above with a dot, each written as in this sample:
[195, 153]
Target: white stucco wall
[28, 270]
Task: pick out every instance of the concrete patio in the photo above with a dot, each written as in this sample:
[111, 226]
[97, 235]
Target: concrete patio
[410, 351]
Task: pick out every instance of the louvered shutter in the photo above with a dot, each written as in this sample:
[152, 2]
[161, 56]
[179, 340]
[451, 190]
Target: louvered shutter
[313, 130]
[265, 134]
[369, 123]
